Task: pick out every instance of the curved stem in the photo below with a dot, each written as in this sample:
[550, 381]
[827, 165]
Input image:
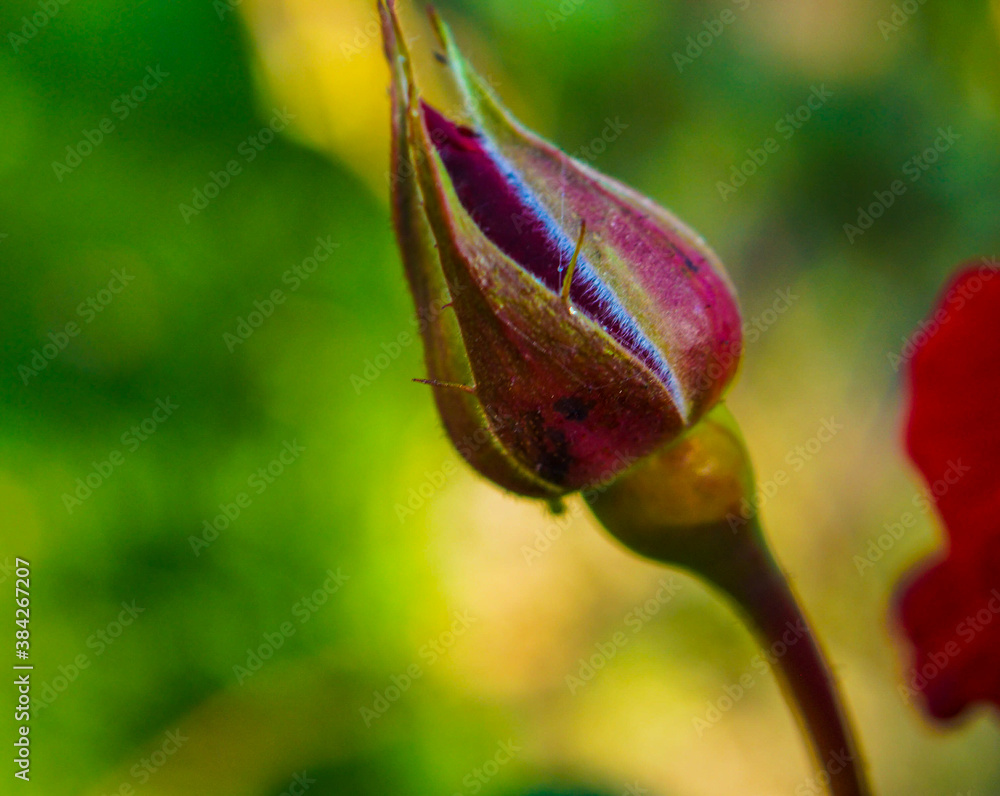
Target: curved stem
[687, 505]
[764, 596]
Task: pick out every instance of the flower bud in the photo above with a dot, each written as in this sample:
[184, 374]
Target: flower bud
[585, 326]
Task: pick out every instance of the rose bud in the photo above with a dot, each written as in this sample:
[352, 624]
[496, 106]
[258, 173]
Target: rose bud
[583, 326]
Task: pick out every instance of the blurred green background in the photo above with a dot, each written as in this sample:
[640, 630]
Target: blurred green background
[368, 563]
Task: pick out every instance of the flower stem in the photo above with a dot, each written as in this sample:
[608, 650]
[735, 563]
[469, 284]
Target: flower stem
[763, 595]
[687, 505]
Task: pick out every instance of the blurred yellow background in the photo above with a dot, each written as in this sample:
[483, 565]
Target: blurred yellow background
[290, 581]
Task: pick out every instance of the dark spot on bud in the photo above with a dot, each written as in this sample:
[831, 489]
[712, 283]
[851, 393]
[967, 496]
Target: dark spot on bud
[573, 408]
[556, 460]
[546, 446]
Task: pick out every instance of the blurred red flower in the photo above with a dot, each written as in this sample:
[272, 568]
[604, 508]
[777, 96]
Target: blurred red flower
[950, 608]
